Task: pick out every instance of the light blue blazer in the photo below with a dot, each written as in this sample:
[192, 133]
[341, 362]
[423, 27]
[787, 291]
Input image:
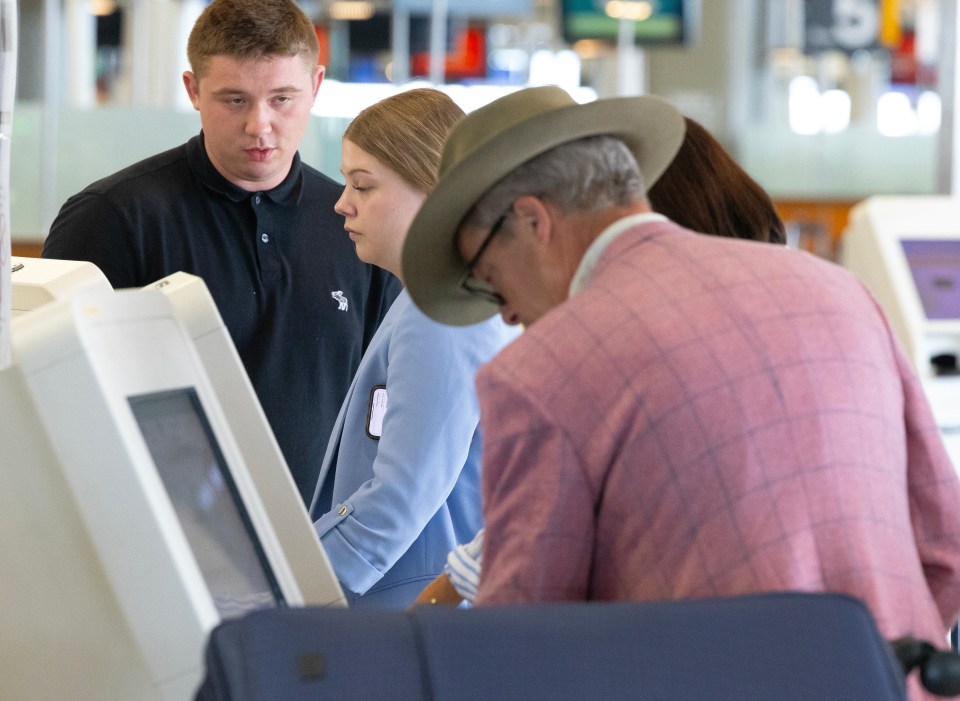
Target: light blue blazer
[388, 510]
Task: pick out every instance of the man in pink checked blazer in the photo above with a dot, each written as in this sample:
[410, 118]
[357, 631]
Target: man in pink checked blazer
[684, 416]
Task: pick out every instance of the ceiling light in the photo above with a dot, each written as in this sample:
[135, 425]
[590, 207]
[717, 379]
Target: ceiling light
[625, 9]
[102, 8]
[350, 10]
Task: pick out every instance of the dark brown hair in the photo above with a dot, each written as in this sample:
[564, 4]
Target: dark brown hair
[704, 189]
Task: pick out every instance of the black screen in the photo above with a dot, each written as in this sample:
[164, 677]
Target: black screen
[205, 497]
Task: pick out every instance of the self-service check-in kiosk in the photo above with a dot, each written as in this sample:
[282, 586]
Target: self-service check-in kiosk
[38, 281]
[131, 519]
[907, 251]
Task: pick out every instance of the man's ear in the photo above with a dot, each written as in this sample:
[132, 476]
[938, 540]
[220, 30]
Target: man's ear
[533, 214]
[318, 74]
[193, 88]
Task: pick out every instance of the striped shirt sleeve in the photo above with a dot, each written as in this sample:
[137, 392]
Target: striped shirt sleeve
[463, 567]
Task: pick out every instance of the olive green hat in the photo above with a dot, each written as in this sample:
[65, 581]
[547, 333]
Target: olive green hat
[491, 142]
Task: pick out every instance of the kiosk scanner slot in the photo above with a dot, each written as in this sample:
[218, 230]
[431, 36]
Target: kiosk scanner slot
[36, 281]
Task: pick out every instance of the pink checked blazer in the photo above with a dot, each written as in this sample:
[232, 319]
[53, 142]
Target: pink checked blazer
[716, 417]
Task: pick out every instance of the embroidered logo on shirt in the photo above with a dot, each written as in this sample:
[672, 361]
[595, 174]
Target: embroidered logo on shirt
[341, 300]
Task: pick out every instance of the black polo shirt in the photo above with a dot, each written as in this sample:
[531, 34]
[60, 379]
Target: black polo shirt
[299, 305]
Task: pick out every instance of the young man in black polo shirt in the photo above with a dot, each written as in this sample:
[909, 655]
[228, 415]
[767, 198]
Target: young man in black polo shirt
[237, 207]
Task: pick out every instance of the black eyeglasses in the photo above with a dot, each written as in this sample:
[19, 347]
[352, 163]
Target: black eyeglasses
[469, 283]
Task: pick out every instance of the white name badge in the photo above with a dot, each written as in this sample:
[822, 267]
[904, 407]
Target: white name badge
[375, 411]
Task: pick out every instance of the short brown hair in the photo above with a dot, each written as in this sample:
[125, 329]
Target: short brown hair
[704, 189]
[250, 30]
[406, 132]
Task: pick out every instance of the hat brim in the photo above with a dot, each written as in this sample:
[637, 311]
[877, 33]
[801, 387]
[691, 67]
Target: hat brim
[432, 267]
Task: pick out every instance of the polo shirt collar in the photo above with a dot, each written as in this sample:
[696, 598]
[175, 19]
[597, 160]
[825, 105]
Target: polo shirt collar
[286, 193]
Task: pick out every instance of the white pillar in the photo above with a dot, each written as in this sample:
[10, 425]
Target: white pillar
[631, 61]
[948, 75]
[81, 51]
[50, 116]
[400, 45]
[8, 89]
[438, 42]
[155, 36]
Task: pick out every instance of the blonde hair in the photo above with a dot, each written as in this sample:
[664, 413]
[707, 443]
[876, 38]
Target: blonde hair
[406, 132]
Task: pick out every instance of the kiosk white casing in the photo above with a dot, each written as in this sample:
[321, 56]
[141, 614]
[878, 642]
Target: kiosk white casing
[37, 281]
[907, 251]
[105, 595]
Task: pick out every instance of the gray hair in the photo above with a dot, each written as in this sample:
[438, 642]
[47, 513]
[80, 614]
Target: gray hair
[587, 175]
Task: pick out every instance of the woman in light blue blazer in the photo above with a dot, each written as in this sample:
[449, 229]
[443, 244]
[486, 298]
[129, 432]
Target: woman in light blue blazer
[400, 483]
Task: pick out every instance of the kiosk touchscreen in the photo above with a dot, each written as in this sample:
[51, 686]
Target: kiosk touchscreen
[907, 251]
[130, 522]
[197, 311]
[36, 281]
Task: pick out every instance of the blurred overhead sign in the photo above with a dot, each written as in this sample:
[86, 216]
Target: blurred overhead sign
[470, 8]
[841, 25]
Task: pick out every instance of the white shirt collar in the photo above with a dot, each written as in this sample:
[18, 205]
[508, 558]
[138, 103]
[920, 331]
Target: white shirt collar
[599, 245]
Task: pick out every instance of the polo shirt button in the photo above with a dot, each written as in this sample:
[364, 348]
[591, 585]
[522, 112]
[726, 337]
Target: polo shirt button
[256, 199]
[342, 511]
[264, 237]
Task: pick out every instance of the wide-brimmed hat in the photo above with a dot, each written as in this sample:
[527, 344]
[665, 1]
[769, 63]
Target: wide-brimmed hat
[491, 142]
